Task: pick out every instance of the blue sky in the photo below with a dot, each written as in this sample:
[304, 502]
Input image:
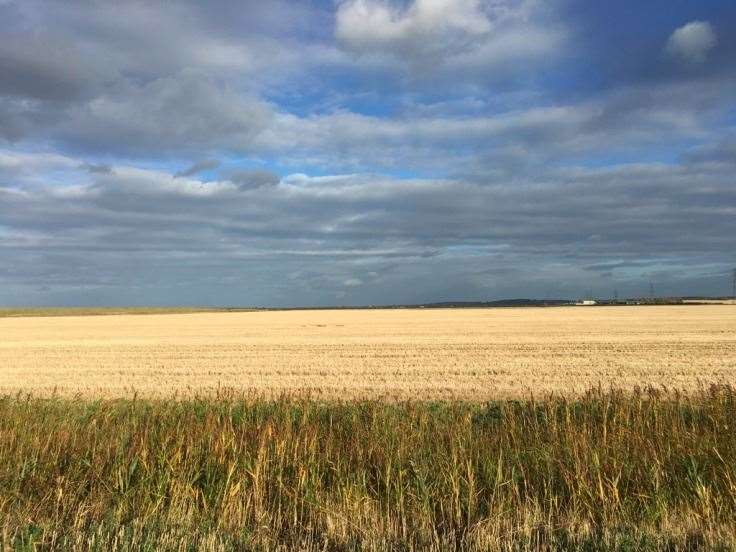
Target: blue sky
[364, 151]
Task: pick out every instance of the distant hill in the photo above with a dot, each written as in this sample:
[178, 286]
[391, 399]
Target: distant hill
[438, 305]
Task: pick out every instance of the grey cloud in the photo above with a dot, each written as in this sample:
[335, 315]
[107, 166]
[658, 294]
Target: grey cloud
[198, 167]
[97, 168]
[609, 267]
[21, 117]
[76, 74]
[248, 180]
[179, 114]
[128, 39]
[48, 67]
[507, 198]
[567, 225]
[723, 151]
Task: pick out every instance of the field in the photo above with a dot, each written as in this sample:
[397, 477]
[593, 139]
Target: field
[7, 312]
[475, 354]
[483, 429]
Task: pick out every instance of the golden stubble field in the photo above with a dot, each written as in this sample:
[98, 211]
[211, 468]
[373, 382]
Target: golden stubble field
[473, 354]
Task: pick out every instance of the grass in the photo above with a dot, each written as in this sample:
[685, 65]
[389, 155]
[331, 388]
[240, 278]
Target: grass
[649, 470]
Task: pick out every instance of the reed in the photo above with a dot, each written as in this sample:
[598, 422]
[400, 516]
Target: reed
[613, 470]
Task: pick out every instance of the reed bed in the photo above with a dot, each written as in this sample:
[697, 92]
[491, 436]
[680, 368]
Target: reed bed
[613, 470]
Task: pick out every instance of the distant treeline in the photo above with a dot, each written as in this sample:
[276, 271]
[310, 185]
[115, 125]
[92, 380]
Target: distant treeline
[439, 305]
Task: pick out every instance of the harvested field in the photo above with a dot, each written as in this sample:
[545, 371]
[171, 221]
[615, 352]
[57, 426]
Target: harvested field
[228, 470]
[473, 354]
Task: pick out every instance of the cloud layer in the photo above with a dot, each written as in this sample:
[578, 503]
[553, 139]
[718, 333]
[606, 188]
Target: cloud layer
[367, 151]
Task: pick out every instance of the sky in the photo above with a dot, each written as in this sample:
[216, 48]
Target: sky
[355, 152]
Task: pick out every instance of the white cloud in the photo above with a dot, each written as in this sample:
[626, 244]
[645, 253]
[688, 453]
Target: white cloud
[622, 121]
[375, 24]
[445, 31]
[692, 42]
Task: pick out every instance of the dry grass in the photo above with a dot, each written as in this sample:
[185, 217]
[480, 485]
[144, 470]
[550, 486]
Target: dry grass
[612, 471]
[475, 354]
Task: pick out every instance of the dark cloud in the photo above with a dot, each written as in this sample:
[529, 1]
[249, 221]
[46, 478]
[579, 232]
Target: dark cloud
[130, 79]
[248, 180]
[97, 168]
[177, 115]
[198, 167]
[46, 68]
[375, 239]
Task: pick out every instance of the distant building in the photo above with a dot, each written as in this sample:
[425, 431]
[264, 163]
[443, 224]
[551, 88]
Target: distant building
[586, 302]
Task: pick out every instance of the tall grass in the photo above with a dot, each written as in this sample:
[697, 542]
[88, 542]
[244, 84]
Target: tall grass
[648, 470]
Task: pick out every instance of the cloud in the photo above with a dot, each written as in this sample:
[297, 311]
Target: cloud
[620, 122]
[723, 151]
[426, 27]
[47, 68]
[198, 167]
[692, 42]
[432, 35]
[249, 180]
[376, 237]
[437, 149]
[183, 114]
[197, 88]
[140, 77]
[97, 168]
[24, 171]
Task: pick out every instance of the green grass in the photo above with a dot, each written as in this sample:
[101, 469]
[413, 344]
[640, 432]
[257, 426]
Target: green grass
[612, 471]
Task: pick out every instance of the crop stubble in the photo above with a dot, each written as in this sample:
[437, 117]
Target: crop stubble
[473, 354]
